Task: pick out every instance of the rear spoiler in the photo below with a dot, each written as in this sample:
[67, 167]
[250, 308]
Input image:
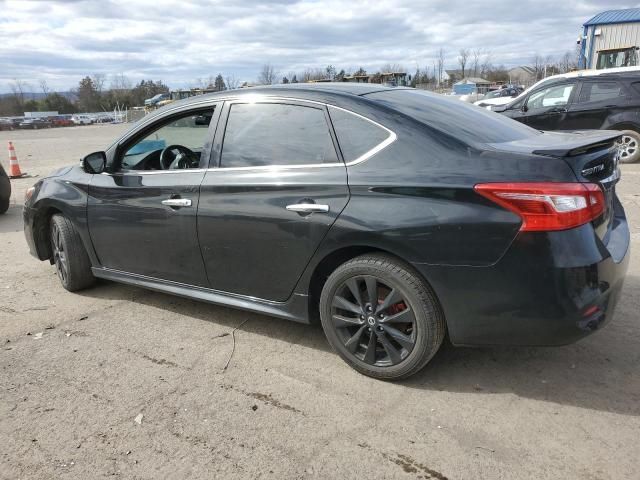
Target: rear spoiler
[584, 141]
[561, 144]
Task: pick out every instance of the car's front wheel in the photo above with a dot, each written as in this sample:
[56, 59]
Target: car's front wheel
[629, 146]
[381, 317]
[69, 256]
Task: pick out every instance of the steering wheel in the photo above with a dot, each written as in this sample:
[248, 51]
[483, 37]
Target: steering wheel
[176, 157]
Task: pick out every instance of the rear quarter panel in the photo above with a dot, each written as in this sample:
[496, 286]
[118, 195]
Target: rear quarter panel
[416, 198]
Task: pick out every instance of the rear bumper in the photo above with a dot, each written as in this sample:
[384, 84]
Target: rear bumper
[549, 288]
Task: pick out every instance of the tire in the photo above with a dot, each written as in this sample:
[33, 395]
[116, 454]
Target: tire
[629, 147]
[69, 256]
[4, 205]
[393, 339]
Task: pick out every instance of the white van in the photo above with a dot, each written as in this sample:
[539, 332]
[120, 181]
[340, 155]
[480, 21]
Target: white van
[81, 120]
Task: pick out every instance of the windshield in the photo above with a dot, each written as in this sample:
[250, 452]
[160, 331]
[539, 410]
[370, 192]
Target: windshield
[494, 94]
[464, 121]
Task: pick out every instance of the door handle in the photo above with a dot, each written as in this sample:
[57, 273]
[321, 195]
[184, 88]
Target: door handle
[177, 202]
[308, 208]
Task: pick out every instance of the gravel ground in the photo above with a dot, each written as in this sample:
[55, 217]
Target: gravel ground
[121, 381]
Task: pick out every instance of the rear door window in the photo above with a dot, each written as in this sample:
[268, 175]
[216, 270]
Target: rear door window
[265, 134]
[600, 91]
[357, 136]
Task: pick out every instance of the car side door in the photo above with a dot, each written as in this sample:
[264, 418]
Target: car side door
[596, 100]
[546, 109]
[278, 186]
[142, 215]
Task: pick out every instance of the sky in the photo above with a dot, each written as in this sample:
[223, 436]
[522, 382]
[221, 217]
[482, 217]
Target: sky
[181, 41]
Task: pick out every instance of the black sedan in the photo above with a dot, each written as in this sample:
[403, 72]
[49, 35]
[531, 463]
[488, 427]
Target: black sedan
[35, 123]
[394, 215]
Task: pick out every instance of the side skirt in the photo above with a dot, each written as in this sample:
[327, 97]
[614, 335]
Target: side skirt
[294, 309]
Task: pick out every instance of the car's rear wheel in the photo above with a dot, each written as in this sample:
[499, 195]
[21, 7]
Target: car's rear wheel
[4, 205]
[629, 146]
[381, 317]
[69, 256]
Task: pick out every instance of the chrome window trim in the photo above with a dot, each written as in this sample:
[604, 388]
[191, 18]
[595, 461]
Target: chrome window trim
[369, 153]
[277, 167]
[256, 98]
[155, 172]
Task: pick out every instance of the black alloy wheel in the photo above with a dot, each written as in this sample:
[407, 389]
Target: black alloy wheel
[381, 317]
[68, 255]
[373, 320]
[60, 259]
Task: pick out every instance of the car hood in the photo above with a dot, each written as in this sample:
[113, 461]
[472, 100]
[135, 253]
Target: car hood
[59, 172]
[496, 101]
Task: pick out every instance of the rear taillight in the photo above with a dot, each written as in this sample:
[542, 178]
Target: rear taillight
[547, 206]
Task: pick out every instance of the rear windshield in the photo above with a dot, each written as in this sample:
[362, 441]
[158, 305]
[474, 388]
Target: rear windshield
[462, 120]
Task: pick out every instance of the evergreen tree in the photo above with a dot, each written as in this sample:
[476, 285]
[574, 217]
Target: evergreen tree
[219, 84]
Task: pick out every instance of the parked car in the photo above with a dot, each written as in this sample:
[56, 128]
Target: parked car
[149, 102]
[5, 190]
[81, 119]
[34, 123]
[103, 118]
[496, 97]
[608, 101]
[9, 123]
[393, 214]
[574, 74]
[62, 121]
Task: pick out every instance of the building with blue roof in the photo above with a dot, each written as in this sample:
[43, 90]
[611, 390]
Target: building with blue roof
[611, 39]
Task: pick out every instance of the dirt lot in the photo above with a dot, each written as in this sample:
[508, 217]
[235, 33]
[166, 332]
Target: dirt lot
[76, 370]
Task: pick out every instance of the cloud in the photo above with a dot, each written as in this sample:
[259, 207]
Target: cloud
[178, 42]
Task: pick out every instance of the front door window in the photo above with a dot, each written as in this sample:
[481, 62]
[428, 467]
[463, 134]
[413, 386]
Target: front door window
[557, 96]
[174, 145]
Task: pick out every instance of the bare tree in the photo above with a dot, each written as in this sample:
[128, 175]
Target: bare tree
[485, 64]
[18, 88]
[232, 82]
[538, 67]
[463, 57]
[44, 87]
[440, 65]
[267, 75]
[99, 80]
[120, 88]
[476, 57]
[120, 82]
[565, 63]
[311, 74]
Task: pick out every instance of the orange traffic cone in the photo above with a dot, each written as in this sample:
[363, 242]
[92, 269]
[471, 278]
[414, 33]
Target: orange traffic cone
[14, 168]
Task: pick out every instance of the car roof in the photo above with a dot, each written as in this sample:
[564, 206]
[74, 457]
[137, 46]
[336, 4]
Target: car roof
[298, 90]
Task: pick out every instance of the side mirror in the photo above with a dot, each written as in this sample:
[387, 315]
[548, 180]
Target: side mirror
[524, 108]
[95, 162]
